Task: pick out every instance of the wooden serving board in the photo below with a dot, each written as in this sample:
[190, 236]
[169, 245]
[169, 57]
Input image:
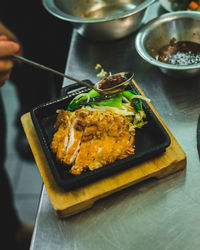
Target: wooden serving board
[67, 203]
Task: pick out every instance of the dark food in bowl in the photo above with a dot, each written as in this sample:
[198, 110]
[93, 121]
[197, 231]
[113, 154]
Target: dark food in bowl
[179, 53]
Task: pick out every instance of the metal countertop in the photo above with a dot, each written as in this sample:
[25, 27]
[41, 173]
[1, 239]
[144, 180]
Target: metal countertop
[155, 214]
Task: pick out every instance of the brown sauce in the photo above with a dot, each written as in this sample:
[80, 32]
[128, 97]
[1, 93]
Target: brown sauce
[111, 81]
[179, 53]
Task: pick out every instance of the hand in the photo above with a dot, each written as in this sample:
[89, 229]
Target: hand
[7, 49]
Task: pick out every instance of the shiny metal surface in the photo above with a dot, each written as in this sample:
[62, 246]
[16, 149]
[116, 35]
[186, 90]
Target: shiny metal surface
[155, 214]
[101, 19]
[182, 25]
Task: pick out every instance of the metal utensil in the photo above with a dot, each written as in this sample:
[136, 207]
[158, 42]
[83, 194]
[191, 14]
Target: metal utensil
[54, 72]
[117, 88]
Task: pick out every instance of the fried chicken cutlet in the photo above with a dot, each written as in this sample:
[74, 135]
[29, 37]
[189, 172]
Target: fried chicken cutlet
[89, 139]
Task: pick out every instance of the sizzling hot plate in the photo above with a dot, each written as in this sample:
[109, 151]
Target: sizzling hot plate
[150, 140]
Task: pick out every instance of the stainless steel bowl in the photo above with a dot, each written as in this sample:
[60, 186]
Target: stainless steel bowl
[100, 19]
[182, 25]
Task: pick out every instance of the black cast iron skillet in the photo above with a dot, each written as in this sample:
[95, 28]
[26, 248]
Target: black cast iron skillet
[150, 140]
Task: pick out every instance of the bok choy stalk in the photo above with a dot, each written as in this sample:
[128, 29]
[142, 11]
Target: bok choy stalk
[135, 99]
[94, 98]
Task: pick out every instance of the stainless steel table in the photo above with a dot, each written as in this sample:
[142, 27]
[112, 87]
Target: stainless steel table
[155, 214]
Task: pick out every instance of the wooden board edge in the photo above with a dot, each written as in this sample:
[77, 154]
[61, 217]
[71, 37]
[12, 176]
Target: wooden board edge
[64, 211]
[87, 204]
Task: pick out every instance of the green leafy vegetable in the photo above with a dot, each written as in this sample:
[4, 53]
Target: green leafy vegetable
[135, 102]
[96, 99]
[129, 94]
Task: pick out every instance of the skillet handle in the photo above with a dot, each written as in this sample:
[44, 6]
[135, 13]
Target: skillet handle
[74, 87]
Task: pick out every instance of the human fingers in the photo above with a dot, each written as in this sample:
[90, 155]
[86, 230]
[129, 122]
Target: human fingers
[8, 48]
[5, 69]
[19, 52]
[3, 38]
[6, 65]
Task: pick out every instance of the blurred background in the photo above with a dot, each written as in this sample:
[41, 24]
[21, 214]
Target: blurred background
[24, 175]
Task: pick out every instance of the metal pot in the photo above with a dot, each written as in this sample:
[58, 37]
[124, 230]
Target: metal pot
[181, 25]
[100, 19]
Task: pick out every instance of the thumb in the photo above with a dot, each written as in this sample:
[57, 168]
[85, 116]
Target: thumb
[8, 48]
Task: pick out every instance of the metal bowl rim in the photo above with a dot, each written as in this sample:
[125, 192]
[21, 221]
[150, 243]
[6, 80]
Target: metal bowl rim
[50, 6]
[147, 27]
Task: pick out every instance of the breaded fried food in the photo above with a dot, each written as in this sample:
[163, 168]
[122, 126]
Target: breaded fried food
[61, 137]
[89, 139]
